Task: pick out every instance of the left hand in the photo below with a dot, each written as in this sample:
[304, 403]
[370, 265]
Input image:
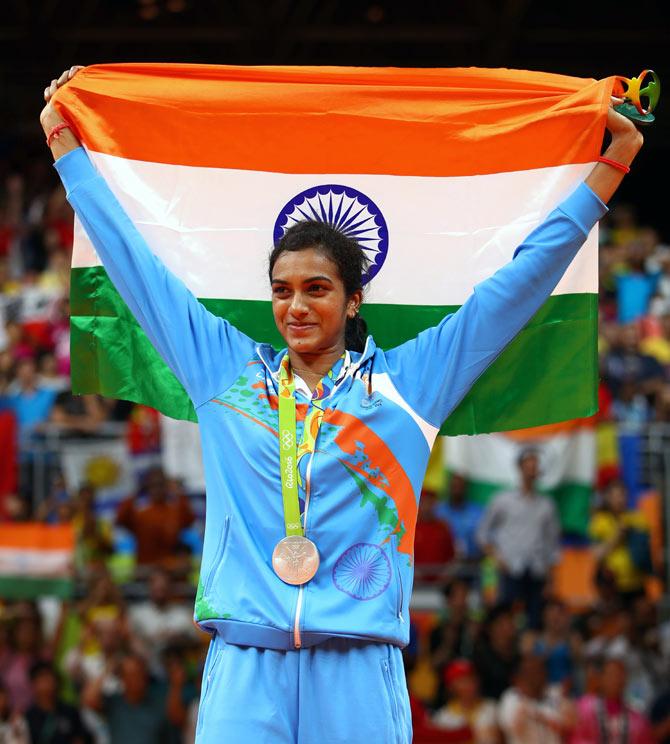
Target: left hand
[620, 126]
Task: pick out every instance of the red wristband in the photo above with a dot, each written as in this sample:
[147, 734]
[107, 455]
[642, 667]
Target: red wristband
[54, 132]
[619, 166]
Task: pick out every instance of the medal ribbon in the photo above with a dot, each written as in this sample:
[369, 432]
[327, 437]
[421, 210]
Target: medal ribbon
[290, 451]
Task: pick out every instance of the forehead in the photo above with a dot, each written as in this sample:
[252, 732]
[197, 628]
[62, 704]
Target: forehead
[305, 264]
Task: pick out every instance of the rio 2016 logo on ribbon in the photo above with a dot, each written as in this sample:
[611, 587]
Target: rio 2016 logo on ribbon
[345, 209]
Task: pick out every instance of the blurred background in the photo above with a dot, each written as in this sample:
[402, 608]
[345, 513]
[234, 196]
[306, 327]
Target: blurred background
[116, 490]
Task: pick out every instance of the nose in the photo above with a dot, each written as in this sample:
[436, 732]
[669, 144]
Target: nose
[298, 304]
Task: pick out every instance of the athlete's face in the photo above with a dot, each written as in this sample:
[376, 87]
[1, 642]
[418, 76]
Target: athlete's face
[309, 303]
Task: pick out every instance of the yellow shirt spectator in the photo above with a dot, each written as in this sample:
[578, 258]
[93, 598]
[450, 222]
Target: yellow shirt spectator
[657, 347]
[606, 529]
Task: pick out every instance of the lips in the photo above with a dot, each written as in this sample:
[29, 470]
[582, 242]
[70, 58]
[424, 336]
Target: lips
[301, 327]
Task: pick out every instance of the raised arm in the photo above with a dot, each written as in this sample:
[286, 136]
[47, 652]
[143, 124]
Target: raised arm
[435, 370]
[205, 353]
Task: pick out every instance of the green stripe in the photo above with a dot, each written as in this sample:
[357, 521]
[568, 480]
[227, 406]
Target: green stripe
[29, 587]
[573, 501]
[547, 374]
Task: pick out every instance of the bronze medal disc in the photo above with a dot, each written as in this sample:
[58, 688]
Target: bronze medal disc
[295, 559]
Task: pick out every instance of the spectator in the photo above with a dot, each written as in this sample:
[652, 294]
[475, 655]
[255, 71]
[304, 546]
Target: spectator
[454, 636]
[658, 346]
[463, 517]
[145, 711]
[50, 720]
[13, 727]
[521, 531]
[103, 602]
[621, 542]
[433, 542]
[99, 652]
[660, 304]
[631, 408]
[161, 620]
[27, 650]
[30, 403]
[77, 415]
[94, 536]
[466, 708]
[48, 510]
[496, 652]
[157, 524]
[101, 647]
[49, 374]
[626, 363]
[606, 717]
[529, 712]
[554, 644]
[635, 285]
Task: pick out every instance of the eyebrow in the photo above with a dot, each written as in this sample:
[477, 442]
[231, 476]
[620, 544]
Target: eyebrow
[306, 281]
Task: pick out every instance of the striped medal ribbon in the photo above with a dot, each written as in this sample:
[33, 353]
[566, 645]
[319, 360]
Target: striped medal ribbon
[295, 558]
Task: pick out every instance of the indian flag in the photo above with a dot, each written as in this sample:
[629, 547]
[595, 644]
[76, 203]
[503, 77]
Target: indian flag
[35, 560]
[439, 174]
[568, 465]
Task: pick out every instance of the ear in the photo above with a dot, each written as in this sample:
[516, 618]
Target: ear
[354, 303]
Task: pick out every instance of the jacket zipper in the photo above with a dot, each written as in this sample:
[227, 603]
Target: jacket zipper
[297, 641]
[402, 593]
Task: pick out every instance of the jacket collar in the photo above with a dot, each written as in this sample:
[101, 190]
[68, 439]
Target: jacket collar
[271, 358]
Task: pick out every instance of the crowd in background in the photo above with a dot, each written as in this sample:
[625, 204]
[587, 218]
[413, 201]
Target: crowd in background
[121, 662]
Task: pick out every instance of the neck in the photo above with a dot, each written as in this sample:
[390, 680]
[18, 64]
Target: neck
[528, 488]
[313, 366]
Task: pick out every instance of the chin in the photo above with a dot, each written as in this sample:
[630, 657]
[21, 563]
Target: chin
[302, 344]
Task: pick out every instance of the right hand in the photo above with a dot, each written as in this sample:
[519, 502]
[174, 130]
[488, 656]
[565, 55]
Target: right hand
[49, 116]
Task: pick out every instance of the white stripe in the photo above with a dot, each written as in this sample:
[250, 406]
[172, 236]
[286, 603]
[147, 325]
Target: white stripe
[213, 227]
[383, 384]
[29, 562]
[491, 458]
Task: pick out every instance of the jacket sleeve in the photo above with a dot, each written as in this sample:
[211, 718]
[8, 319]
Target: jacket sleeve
[206, 353]
[435, 370]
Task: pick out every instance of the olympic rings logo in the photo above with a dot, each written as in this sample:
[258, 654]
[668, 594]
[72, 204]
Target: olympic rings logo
[287, 439]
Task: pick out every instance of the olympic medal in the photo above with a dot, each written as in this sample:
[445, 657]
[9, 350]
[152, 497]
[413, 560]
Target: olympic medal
[295, 559]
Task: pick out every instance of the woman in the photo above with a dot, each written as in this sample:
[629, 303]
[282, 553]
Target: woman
[301, 651]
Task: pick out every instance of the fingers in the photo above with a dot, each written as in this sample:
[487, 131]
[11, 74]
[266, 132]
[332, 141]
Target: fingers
[57, 83]
[50, 90]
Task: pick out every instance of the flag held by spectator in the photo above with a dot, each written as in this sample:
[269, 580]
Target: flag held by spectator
[567, 455]
[36, 560]
[439, 174]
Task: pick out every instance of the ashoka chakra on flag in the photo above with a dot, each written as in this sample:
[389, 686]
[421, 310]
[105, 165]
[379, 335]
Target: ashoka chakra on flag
[346, 209]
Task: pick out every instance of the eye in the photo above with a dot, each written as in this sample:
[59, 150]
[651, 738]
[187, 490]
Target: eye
[279, 290]
[317, 288]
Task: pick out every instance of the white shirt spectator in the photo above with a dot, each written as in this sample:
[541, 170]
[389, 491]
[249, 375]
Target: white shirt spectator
[525, 720]
[482, 721]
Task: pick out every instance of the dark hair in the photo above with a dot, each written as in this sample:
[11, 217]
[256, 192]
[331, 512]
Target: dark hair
[41, 667]
[526, 453]
[344, 252]
[501, 609]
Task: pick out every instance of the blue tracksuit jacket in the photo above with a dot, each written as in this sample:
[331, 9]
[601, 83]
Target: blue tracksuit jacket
[362, 483]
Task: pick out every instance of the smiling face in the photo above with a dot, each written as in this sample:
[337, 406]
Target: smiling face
[309, 302]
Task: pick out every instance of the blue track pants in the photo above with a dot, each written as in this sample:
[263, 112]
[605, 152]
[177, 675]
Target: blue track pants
[342, 691]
